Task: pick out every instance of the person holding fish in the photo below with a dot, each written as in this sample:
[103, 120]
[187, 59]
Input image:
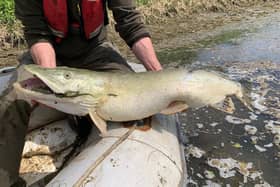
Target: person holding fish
[73, 33]
[69, 33]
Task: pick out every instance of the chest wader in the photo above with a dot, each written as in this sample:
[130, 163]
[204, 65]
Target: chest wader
[14, 119]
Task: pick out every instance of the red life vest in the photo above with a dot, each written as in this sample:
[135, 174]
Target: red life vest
[56, 14]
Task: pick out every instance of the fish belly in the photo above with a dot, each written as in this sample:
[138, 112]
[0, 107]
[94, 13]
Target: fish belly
[131, 108]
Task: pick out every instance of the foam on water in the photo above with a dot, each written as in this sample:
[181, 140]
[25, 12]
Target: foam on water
[236, 120]
[228, 167]
[248, 136]
[194, 151]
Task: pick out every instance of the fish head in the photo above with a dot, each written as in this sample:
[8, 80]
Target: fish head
[61, 80]
[65, 89]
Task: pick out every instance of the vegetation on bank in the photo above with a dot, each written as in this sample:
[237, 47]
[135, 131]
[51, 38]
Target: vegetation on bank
[154, 11]
[7, 12]
[10, 29]
[159, 10]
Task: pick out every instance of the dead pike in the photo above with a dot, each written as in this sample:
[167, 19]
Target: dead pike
[126, 96]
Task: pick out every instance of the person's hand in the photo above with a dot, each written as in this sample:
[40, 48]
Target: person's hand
[43, 54]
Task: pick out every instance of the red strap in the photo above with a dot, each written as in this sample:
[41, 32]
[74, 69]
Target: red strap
[55, 12]
[93, 15]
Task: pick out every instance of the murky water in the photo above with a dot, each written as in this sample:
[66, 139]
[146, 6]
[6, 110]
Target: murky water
[243, 148]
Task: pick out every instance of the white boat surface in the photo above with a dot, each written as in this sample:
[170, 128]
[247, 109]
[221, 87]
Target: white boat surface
[124, 157]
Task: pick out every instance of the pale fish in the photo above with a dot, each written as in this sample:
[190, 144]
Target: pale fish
[122, 97]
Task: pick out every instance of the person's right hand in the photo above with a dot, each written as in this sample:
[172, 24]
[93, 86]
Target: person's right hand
[43, 54]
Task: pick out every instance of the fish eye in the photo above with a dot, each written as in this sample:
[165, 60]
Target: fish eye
[67, 75]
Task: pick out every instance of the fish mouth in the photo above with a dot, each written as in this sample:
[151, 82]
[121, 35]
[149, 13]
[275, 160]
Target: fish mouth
[37, 85]
[41, 84]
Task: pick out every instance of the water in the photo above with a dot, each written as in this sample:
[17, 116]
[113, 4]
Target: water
[243, 148]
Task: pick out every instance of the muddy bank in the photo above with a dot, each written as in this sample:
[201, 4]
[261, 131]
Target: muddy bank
[196, 29]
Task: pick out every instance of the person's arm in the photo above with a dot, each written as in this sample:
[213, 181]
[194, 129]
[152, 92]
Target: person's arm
[37, 34]
[132, 29]
[144, 51]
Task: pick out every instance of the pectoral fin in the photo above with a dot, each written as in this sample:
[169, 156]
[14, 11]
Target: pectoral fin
[174, 107]
[226, 105]
[99, 122]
